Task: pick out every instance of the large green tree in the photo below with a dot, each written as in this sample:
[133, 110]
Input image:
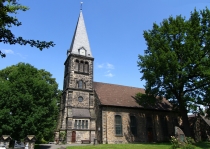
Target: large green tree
[8, 10]
[176, 63]
[28, 102]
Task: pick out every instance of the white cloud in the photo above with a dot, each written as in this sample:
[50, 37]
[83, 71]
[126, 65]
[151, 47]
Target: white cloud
[100, 65]
[109, 75]
[22, 56]
[8, 51]
[106, 66]
[109, 66]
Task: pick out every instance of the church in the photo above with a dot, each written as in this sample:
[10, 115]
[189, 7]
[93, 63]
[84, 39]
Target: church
[107, 113]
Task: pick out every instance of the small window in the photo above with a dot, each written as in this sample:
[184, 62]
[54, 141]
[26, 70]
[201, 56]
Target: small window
[80, 98]
[133, 125]
[79, 124]
[118, 125]
[80, 84]
[86, 124]
[83, 124]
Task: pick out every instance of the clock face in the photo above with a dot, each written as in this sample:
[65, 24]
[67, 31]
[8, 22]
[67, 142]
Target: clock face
[82, 52]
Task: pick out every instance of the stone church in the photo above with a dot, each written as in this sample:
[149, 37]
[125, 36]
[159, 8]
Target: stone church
[106, 113]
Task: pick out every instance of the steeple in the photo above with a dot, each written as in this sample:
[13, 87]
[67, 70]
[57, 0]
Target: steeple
[80, 40]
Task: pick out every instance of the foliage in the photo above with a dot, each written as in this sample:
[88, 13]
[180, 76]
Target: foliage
[43, 141]
[175, 143]
[176, 63]
[63, 136]
[146, 100]
[8, 10]
[190, 140]
[188, 144]
[28, 102]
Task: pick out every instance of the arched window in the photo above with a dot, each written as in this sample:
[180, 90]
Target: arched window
[81, 66]
[80, 98]
[76, 65]
[86, 69]
[118, 125]
[133, 125]
[80, 84]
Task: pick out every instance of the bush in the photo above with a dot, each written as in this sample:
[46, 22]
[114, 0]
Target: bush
[187, 144]
[43, 141]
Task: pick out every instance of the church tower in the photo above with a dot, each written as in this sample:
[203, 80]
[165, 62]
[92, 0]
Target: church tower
[77, 116]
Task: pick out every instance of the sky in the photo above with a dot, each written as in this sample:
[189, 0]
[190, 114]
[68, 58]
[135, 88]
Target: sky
[114, 27]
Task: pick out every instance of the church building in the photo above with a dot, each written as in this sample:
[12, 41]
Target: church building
[106, 113]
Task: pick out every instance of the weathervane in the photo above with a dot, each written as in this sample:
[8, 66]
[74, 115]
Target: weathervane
[81, 5]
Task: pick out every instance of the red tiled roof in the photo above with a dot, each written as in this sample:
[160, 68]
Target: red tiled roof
[123, 96]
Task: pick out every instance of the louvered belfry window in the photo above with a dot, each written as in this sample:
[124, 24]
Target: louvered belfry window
[76, 65]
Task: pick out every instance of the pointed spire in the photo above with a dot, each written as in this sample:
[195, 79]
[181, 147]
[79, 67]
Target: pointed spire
[80, 38]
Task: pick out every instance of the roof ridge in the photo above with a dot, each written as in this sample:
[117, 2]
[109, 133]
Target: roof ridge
[118, 85]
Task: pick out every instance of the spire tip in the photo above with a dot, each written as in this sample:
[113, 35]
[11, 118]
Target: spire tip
[81, 5]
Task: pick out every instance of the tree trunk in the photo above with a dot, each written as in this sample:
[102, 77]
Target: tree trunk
[185, 121]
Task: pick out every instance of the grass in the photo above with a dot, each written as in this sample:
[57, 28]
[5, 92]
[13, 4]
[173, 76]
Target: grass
[36, 146]
[201, 145]
[123, 146]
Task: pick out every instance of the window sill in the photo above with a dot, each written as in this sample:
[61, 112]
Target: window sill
[118, 135]
[85, 73]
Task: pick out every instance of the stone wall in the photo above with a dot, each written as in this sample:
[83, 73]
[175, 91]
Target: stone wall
[84, 103]
[156, 132]
[98, 112]
[82, 135]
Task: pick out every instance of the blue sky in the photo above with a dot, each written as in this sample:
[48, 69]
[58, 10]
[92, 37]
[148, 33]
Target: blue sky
[115, 30]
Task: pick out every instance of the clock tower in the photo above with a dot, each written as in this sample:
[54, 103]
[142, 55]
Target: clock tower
[77, 116]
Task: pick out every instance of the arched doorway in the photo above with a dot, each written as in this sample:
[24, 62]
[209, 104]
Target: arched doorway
[73, 137]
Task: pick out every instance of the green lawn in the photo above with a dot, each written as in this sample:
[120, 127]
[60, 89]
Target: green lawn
[203, 145]
[36, 146]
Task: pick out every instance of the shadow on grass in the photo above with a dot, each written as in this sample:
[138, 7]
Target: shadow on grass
[36, 146]
[152, 143]
[203, 145]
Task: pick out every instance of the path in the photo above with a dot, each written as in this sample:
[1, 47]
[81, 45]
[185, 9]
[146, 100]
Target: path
[53, 146]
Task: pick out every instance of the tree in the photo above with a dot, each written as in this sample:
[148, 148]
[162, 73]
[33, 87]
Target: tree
[176, 63]
[28, 102]
[8, 8]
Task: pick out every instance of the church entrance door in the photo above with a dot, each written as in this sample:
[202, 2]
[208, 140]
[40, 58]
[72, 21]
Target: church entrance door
[150, 134]
[73, 138]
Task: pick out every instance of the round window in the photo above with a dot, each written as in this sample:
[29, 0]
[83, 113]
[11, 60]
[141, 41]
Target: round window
[80, 98]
